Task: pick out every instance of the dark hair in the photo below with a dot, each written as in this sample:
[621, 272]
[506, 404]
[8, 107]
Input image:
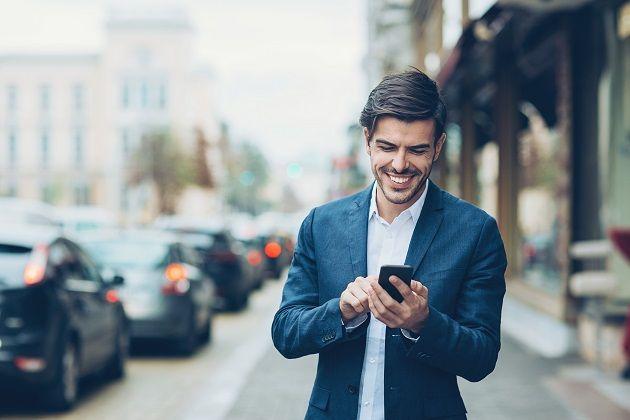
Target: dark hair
[407, 96]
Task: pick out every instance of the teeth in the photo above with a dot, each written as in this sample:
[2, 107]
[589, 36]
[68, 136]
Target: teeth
[398, 180]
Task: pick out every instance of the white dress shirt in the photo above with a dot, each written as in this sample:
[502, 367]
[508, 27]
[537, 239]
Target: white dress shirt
[386, 244]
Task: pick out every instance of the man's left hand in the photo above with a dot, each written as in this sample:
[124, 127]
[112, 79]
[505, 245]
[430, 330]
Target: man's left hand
[409, 314]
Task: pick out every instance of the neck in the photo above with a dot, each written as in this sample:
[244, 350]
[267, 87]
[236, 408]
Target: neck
[388, 210]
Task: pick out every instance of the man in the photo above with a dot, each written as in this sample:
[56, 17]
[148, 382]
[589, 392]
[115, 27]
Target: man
[380, 359]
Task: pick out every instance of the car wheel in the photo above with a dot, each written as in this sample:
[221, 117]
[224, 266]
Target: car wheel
[239, 302]
[64, 390]
[188, 343]
[206, 334]
[115, 368]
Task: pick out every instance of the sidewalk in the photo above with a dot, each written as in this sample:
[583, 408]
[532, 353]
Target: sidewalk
[525, 384]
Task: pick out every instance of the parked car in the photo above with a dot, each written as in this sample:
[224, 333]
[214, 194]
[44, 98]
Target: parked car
[31, 212]
[278, 251]
[255, 260]
[225, 260]
[79, 219]
[166, 293]
[59, 321]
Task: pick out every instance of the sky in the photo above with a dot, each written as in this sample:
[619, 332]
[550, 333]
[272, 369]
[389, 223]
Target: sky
[287, 74]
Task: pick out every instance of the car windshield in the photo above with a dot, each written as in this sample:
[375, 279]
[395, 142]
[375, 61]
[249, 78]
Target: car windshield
[127, 254]
[13, 260]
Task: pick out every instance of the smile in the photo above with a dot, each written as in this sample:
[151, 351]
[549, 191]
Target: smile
[400, 180]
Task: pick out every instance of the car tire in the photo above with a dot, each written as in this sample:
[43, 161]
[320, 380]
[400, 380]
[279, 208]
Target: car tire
[63, 391]
[115, 368]
[188, 343]
[238, 302]
[206, 334]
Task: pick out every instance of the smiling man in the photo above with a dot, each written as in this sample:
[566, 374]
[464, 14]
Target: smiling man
[380, 358]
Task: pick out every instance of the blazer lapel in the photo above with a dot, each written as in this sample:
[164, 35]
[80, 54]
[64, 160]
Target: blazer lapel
[357, 231]
[426, 227]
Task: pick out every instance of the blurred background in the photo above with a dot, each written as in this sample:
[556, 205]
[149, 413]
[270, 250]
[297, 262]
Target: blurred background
[158, 157]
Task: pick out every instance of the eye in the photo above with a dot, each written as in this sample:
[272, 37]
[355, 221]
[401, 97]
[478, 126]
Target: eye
[418, 152]
[386, 148]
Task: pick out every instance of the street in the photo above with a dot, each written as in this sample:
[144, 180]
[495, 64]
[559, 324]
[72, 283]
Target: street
[241, 376]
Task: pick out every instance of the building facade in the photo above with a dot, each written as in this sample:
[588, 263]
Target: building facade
[70, 124]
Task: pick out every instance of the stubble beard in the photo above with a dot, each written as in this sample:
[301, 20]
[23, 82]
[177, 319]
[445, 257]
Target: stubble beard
[400, 196]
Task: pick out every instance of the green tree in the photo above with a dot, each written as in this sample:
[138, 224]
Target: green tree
[160, 161]
[248, 174]
[203, 175]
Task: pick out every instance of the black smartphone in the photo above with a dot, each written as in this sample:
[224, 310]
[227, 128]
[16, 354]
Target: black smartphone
[403, 272]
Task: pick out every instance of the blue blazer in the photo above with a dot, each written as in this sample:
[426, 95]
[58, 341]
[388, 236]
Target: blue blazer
[457, 253]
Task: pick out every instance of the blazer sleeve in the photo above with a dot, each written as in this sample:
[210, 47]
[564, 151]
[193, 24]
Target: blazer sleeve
[302, 325]
[468, 344]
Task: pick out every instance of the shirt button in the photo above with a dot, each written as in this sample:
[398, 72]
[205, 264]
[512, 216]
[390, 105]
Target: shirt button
[366, 403]
[372, 360]
[352, 389]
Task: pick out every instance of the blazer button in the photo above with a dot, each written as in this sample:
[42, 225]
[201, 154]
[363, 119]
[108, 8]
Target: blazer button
[352, 389]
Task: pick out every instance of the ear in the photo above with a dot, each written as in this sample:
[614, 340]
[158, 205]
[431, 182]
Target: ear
[366, 135]
[438, 146]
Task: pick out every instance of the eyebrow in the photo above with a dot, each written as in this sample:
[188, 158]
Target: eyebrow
[414, 147]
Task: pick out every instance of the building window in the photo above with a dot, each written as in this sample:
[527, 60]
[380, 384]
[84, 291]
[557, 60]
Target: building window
[12, 190]
[81, 195]
[47, 193]
[12, 142]
[162, 96]
[125, 95]
[12, 98]
[78, 147]
[78, 97]
[144, 94]
[125, 143]
[44, 97]
[543, 203]
[45, 147]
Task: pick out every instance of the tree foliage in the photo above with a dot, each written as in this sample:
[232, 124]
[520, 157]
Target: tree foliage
[160, 161]
[248, 174]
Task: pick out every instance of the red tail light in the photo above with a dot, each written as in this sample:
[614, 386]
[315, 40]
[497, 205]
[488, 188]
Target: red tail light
[112, 296]
[273, 250]
[254, 257]
[177, 280]
[36, 267]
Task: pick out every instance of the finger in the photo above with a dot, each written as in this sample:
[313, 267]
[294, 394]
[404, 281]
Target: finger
[378, 314]
[359, 295]
[419, 289]
[355, 303]
[402, 287]
[387, 301]
[379, 306]
[364, 284]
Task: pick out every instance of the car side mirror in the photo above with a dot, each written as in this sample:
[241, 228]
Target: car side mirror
[117, 280]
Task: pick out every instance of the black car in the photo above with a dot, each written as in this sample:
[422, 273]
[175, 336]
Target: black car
[225, 260]
[166, 293]
[59, 321]
[278, 251]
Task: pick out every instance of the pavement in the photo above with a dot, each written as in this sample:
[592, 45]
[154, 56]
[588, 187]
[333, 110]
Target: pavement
[541, 379]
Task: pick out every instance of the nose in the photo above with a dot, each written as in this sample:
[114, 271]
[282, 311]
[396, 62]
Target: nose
[400, 162]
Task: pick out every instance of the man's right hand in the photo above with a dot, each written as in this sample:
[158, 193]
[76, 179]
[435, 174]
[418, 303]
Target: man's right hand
[354, 300]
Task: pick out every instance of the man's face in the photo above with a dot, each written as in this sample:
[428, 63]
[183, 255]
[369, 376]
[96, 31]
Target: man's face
[401, 156]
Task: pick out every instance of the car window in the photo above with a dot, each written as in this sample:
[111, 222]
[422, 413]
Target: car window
[190, 256]
[81, 266]
[125, 254]
[89, 267]
[221, 241]
[13, 260]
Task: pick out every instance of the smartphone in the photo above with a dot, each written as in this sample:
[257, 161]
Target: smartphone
[403, 272]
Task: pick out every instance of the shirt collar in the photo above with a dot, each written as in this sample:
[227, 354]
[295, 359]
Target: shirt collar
[414, 210]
